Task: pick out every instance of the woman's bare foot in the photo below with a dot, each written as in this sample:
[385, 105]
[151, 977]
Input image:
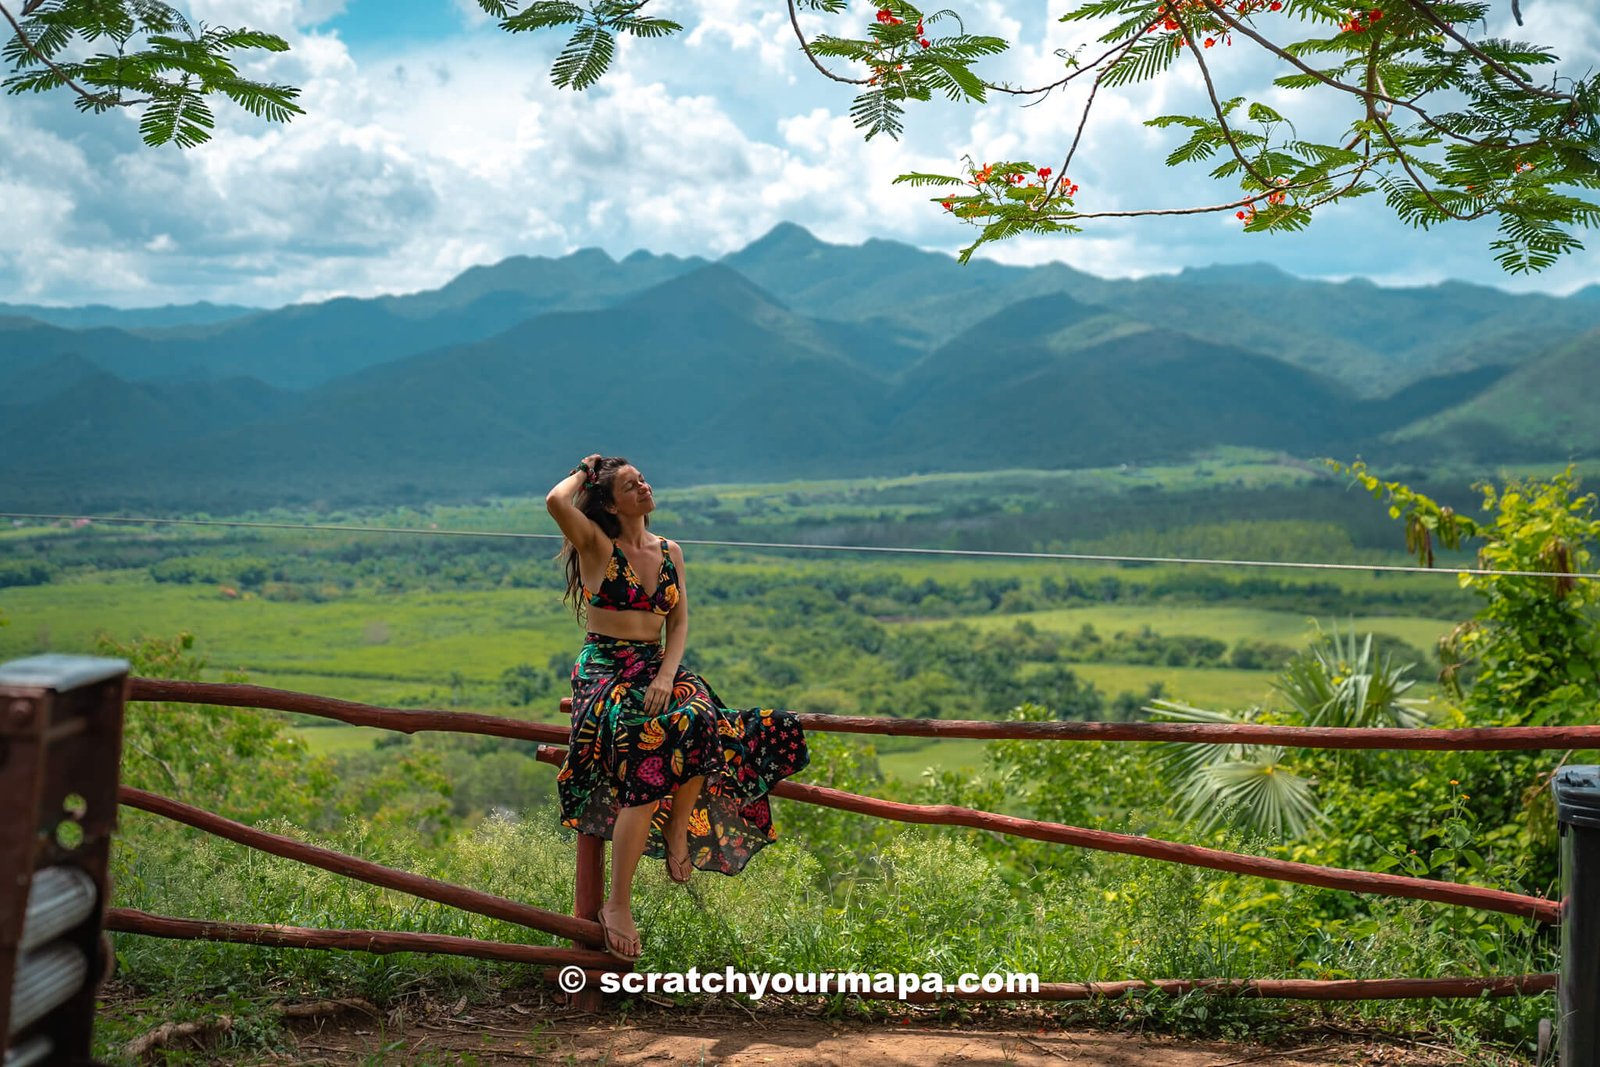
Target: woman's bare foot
[623, 936]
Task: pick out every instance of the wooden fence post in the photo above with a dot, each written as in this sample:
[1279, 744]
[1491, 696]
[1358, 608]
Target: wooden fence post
[587, 895]
[60, 752]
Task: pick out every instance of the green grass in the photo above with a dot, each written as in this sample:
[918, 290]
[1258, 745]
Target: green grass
[416, 638]
[950, 754]
[1214, 687]
[337, 739]
[1225, 623]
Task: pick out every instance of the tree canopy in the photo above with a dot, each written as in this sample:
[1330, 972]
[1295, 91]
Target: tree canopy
[1446, 121]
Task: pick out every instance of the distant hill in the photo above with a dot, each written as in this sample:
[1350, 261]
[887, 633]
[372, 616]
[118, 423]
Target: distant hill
[81, 318]
[791, 357]
[304, 345]
[1541, 410]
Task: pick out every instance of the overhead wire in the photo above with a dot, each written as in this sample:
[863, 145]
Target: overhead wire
[1082, 557]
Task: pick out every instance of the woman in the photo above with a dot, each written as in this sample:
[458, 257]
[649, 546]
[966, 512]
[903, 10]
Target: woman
[655, 761]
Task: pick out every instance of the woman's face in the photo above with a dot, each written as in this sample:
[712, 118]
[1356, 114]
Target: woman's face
[630, 493]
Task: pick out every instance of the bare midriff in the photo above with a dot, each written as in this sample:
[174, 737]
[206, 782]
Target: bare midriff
[628, 625]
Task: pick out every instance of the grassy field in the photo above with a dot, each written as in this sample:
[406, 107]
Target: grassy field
[415, 638]
[402, 649]
[951, 754]
[1223, 622]
[427, 647]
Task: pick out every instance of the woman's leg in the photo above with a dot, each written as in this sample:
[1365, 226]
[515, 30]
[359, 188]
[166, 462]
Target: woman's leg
[627, 845]
[677, 828]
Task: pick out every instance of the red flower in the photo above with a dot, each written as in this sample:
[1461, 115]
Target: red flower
[1210, 42]
[1045, 172]
[923, 42]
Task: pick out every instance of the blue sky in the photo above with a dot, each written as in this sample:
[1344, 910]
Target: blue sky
[434, 142]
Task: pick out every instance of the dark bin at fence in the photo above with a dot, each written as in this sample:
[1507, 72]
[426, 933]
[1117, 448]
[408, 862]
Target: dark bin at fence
[1577, 794]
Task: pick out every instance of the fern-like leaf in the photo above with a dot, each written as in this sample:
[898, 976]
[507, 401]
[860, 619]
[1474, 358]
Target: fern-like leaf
[584, 59]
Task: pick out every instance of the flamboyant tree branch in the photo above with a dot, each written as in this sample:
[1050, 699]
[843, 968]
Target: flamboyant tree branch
[97, 99]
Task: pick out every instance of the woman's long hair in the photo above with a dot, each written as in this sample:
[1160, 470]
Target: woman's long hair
[593, 501]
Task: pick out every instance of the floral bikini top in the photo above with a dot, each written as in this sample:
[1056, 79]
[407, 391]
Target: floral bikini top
[621, 589]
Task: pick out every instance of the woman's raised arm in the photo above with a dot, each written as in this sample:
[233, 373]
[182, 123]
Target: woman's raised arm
[578, 527]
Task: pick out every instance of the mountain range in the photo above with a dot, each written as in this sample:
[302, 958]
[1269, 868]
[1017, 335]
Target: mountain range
[791, 357]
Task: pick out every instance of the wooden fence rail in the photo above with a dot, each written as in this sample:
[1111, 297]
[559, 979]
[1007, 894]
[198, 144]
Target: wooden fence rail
[407, 720]
[381, 942]
[1390, 885]
[417, 885]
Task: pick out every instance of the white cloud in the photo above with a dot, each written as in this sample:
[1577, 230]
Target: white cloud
[418, 160]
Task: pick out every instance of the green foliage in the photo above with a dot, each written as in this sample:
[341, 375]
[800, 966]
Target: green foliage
[1253, 786]
[150, 55]
[858, 893]
[589, 51]
[1512, 149]
[1533, 644]
[1336, 682]
[1339, 682]
[906, 61]
[16, 572]
[242, 763]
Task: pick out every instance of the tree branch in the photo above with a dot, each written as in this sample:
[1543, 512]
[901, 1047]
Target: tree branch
[805, 46]
[1400, 156]
[1232, 205]
[1120, 46]
[1426, 10]
[1216, 107]
[27, 42]
[1228, 20]
[1084, 119]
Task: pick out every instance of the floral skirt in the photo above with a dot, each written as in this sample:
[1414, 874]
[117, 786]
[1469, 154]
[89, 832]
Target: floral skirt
[620, 756]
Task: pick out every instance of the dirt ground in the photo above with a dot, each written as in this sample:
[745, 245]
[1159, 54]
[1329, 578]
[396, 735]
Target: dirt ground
[539, 1028]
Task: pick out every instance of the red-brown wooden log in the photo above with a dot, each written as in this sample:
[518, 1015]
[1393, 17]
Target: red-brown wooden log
[380, 942]
[403, 720]
[408, 720]
[587, 894]
[1476, 738]
[473, 900]
[1393, 885]
[1194, 855]
[1283, 989]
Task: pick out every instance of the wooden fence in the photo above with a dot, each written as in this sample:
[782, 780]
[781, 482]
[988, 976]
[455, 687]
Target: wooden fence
[583, 931]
